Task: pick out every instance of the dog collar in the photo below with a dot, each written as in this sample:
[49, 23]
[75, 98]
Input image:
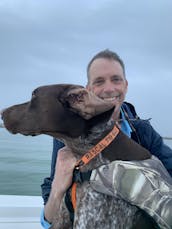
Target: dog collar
[92, 153]
[98, 148]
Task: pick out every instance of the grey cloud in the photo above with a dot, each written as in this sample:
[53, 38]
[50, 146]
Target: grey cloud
[43, 42]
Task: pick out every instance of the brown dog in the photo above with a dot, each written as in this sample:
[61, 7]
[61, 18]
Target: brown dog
[58, 110]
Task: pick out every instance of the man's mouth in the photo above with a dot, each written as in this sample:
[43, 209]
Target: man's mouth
[111, 98]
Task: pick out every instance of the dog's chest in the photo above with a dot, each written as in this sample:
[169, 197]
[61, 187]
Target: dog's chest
[97, 210]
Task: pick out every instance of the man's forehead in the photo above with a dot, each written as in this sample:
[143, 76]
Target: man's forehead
[103, 67]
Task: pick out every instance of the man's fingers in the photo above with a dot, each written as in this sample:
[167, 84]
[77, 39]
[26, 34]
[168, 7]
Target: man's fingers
[115, 114]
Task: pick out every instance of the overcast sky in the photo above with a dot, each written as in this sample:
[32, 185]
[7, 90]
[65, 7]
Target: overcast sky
[46, 42]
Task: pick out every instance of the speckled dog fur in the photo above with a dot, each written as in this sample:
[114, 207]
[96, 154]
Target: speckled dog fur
[97, 210]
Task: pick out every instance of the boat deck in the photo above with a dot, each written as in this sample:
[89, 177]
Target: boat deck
[18, 212]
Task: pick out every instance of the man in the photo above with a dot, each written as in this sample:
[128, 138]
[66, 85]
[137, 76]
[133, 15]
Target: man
[106, 78]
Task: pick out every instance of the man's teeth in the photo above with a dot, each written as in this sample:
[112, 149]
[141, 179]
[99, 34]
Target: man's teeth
[111, 99]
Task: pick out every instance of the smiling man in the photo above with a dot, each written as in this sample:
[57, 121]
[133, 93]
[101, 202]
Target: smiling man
[106, 78]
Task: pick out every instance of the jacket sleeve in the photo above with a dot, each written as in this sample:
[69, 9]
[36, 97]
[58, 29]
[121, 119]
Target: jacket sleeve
[151, 140]
[46, 186]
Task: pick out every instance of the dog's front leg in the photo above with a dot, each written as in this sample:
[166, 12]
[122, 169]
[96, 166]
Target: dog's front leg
[62, 220]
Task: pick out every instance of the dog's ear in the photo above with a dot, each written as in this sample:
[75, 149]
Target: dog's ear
[84, 102]
[71, 95]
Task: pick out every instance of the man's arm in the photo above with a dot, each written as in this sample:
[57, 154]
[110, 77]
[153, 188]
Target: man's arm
[162, 151]
[152, 141]
[61, 182]
[49, 188]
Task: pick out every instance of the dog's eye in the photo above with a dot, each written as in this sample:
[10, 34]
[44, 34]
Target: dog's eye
[33, 101]
[33, 96]
[34, 93]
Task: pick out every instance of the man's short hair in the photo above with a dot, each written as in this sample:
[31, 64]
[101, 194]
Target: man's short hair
[106, 54]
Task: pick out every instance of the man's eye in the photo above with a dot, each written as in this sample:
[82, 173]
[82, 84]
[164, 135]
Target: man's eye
[98, 82]
[117, 79]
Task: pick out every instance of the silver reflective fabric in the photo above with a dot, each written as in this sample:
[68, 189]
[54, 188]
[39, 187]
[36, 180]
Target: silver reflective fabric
[145, 184]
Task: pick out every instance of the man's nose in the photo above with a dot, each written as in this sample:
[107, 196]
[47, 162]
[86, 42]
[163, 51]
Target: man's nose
[108, 87]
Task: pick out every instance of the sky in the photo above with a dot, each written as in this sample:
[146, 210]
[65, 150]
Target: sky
[49, 42]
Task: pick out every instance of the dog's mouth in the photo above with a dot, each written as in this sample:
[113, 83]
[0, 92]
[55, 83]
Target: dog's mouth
[33, 133]
[23, 132]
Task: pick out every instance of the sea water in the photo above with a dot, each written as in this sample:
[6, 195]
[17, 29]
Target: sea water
[25, 162]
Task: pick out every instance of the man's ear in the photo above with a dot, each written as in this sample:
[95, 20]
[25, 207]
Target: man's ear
[126, 86]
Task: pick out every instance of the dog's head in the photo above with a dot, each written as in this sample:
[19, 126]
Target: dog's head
[56, 110]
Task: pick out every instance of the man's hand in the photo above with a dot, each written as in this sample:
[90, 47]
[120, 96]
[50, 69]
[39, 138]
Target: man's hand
[62, 180]
[64, 169]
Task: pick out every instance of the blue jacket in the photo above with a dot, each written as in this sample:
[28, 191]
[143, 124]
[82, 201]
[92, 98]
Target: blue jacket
[143, 133]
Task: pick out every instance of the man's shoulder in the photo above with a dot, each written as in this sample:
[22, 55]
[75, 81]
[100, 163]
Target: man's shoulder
[57, 144]
[130, 110]
[142, 127]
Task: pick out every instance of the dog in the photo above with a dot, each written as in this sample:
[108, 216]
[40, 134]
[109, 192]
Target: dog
[63, 111]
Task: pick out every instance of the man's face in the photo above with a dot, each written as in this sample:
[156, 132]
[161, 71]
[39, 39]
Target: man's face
[107, 80]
